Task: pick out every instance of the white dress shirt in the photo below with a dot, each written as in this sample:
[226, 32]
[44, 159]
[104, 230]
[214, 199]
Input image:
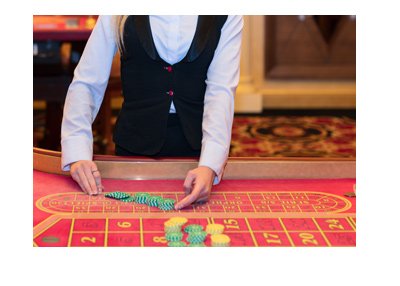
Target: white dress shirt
[172, 37]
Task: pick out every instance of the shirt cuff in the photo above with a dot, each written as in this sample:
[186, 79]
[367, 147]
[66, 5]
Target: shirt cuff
[215, 157]
[75, 149]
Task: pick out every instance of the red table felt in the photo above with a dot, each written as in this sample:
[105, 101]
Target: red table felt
[307, 212]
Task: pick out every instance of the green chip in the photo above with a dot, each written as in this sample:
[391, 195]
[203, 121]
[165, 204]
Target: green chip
[196, 237]
[167, 204]
[193, 228]
[154, 201]
[200, 244]
[174, 236]
[128, 200]
[117, 195]
[176, 244]
[141, 198]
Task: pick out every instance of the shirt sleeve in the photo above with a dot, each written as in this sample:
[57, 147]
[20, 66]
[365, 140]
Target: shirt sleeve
[222, 80]
[86, 92]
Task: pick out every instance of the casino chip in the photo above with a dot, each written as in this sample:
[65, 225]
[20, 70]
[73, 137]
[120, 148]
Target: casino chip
[196, 236]
[117, 195]
[141, 198]
[214, 228]
[350, 194]
[176, 244]
[201, 244]
[154, 201]
[171, 226]
[220, 240]
[128, 200]
[193, 228]
[167, 204]
[179, 220]
[174, 236]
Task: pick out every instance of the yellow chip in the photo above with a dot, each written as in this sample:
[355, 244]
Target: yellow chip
[215, 228]
[171, 226]
[220, 240]
[179, 220]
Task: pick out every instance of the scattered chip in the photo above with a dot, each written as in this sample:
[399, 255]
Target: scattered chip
[154, 201]
[141, 198]
[128, 200]
[167, 204]
[117, 195]
[350, 194]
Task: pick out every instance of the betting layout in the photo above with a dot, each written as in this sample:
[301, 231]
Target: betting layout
[252, 218]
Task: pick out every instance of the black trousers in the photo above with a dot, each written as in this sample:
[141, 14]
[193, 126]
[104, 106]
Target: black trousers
[175, 144]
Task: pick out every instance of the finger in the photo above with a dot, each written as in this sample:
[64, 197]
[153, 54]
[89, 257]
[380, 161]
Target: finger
[84, 182]
[97, 178]
[76, 178]
[189, 198]
[188, 183]
[202, 199]
[91, 180]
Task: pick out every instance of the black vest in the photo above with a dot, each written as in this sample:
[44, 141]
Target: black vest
[149, 84]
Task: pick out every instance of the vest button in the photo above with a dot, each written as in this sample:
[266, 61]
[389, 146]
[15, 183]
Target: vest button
[169, 68]
[170, 93]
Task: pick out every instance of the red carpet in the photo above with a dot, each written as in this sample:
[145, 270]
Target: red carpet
[293, 136]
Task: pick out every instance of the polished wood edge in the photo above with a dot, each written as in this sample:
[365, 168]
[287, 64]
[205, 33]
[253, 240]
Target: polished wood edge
[245, 168]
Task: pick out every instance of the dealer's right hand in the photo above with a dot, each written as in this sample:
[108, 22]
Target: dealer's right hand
[88, 177]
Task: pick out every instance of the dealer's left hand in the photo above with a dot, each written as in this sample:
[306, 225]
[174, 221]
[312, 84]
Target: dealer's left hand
[197, 186]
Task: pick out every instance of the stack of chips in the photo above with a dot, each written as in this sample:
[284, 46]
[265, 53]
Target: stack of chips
[177, 244]
[196, 237]
[173, 231]
[214, 228]
[154, 201]
[167, 204]
[143, 198]
[220, 240]
[195, 234]
[193, 228]
[117, 195]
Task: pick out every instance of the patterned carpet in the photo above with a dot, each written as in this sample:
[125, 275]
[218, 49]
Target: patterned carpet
[293, 136]
[273, 136]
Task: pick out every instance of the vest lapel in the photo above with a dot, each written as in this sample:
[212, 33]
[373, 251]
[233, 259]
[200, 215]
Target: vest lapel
[201, 36]
[143, 30]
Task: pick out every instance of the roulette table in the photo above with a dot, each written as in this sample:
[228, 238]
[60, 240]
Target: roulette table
[262, 202]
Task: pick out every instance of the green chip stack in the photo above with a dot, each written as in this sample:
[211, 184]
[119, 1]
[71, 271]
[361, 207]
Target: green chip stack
[154, 201]
[176, 244]
[196, 237]
[128, 200]
[201, 244]
[167, 204]
[193, 228]
[174, 236]
[141, 198]
[117, 195]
